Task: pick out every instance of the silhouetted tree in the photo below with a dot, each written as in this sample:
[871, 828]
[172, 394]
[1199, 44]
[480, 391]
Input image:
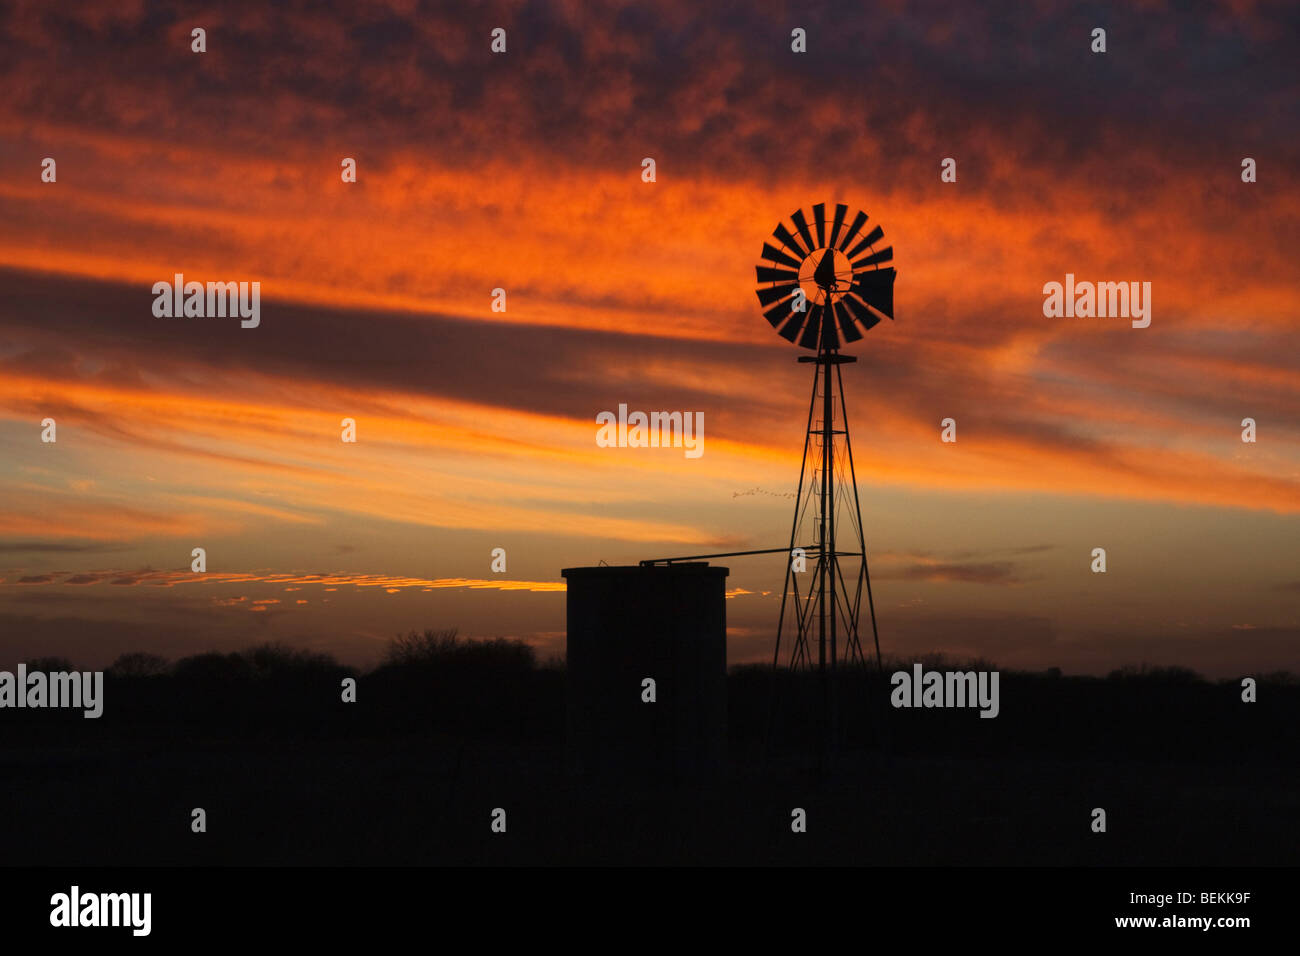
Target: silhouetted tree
[276, 659]
[140, 664]
[1169, 675]
[213, 666]
[446, 649]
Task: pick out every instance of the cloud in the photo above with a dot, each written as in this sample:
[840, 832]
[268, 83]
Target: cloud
[522, 171]
[988, 573]
[1020, 426]
[706, 85]
[331, 581]
[57, 547]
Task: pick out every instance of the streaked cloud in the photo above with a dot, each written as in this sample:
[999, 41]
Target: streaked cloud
[162, 578]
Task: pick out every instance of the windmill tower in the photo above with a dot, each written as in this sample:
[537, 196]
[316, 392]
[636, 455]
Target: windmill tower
[819, 292]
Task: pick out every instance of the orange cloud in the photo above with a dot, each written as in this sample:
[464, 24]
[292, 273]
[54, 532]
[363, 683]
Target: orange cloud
[390, 583]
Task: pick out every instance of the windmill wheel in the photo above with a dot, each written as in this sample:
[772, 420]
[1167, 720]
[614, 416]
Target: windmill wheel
[820, 290]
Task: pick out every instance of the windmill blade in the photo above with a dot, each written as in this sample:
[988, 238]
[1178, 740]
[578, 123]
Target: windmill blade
[861, 314]
[813, 330]
[783, 236]
[779, 313]
[773, 254]
[790, 331]
[858, 222]
[884, 255]
[801, 224]
[768, 274]
[870, 239]
[845, 317]
[819, 219]
[770, 295]
[876, 289]
[841, 210]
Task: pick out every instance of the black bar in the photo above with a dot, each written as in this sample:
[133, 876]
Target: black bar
[333, 906]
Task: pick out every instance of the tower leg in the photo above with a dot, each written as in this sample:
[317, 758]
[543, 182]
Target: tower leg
[790, 580]
[865, 576]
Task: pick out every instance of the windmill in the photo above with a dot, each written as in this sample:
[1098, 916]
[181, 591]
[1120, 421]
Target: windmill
[819, 292]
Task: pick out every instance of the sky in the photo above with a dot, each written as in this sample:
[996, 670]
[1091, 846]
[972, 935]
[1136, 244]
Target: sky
[523, 171]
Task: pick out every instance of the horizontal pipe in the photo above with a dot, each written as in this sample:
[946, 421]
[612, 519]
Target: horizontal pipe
[739, 554]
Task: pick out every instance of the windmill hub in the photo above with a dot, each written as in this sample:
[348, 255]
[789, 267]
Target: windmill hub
[826, 272]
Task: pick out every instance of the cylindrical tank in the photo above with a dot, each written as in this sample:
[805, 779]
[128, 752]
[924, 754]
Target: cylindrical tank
[630, 625]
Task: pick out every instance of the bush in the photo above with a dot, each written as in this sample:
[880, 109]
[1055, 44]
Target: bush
[269, 660]
[213, 667]
[446, 649]
[1166, 675]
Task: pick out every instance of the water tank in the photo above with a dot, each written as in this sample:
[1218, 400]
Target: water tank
[666, 623]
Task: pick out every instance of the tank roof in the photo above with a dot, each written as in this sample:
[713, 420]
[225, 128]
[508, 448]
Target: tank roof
[686, 567]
